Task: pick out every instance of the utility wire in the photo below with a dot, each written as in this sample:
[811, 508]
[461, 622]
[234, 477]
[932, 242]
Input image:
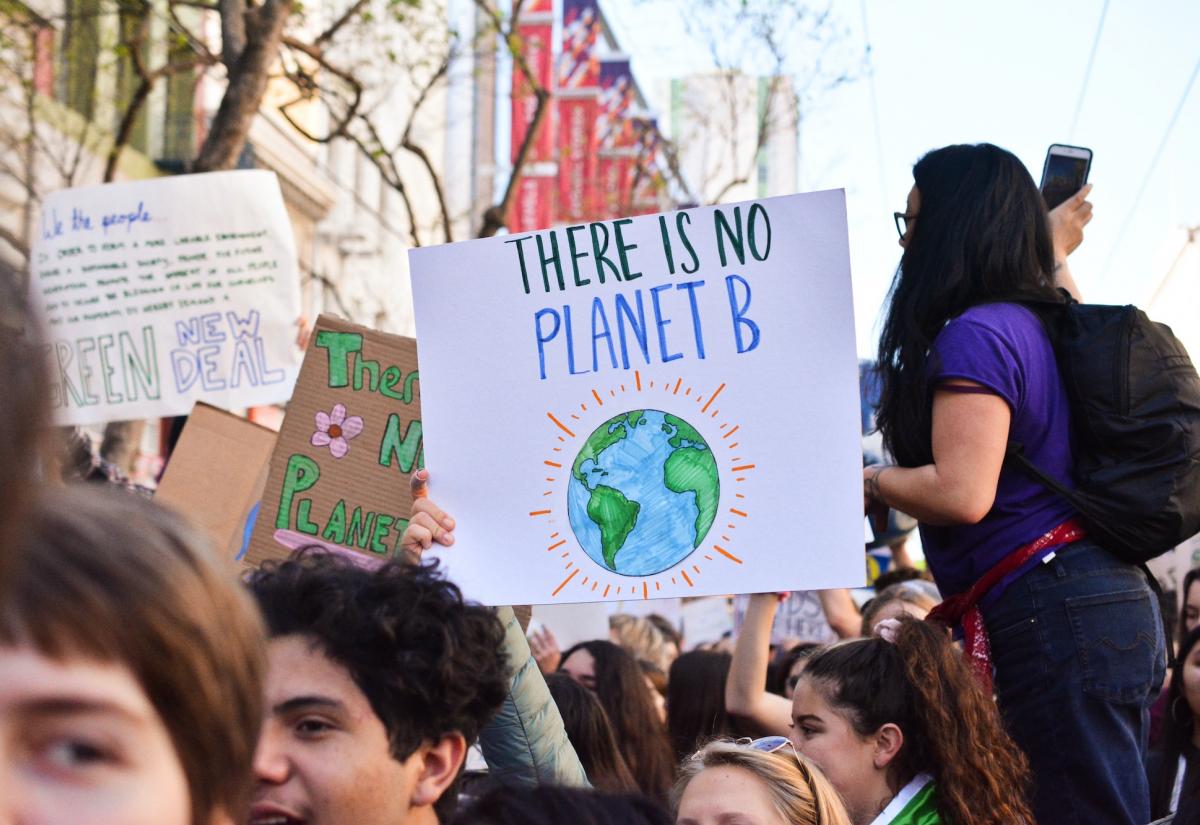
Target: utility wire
[1162, 144]
[883, 193]
[1087, 73]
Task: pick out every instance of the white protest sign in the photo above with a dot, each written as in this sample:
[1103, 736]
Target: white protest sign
[706, 621]
[161, 293]
[572, 623]
[646, 408]
[800, 617]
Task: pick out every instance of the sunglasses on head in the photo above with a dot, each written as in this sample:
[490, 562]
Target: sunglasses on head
[772, 744]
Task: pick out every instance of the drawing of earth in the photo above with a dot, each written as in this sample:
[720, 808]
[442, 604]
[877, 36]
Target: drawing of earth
[643, 492]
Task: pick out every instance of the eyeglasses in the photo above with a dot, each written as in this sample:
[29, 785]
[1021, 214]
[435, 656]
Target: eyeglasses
[772, 744]
[904, 222]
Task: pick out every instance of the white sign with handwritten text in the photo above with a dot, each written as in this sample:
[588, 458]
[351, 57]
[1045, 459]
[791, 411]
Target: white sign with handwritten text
[159, 293]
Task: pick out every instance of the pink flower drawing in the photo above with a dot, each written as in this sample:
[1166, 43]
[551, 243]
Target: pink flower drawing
[335, 430]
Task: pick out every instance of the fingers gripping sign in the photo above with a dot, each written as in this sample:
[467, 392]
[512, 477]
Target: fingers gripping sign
[428, 523]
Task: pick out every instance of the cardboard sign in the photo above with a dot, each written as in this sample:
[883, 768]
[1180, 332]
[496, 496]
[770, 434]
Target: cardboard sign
[161, 293]
[216, 476]
[650, 407]
[350, 439]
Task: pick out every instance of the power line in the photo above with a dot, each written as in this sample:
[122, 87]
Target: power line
[1162, 144]
[1087, 73]
[883, 193]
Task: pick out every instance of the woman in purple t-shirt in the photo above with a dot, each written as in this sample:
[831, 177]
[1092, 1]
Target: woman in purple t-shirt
[1075, 637]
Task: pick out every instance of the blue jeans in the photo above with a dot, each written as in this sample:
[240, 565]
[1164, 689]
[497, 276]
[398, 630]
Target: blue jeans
[1079, 655]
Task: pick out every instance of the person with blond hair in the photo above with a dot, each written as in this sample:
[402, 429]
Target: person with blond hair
[760, 782]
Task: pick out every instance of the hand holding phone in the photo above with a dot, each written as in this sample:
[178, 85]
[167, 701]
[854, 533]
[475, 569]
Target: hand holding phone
[1064, 172]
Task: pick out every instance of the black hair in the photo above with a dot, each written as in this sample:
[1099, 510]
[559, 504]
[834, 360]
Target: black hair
[696, 701]
[780, 670]
[1189, 579]
[1178, 727]
[982, 235]
[591, 734]
[429, 663]
[549, 805]
[621, 687]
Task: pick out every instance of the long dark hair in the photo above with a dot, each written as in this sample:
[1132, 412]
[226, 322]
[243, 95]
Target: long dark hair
[591, 734]
[921, 684]
[982, 235]
[1179, 725]
[1191, 578]
[696, 701]
[623, 691]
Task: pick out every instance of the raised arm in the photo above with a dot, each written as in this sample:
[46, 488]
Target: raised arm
[745, 690]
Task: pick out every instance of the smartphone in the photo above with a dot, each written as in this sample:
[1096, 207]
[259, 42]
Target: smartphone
[1065, 172]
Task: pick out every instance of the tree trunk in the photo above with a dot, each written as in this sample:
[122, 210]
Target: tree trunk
[247, 85]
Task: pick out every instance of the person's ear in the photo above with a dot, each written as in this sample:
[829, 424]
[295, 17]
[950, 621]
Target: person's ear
[889, 739]
[440, 762]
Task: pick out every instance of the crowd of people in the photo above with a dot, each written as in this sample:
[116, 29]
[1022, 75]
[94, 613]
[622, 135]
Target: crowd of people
[142, 682]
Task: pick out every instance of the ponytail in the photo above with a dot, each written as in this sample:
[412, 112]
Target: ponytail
[952, 730]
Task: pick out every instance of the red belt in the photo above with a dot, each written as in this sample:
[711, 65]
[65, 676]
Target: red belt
[963, 610]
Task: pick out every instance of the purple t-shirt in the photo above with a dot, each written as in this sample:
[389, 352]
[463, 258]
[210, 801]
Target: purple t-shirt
[1004, 348]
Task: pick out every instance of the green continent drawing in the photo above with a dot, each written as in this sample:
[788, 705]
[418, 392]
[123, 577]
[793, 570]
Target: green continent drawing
[616, 516]
[643, 493]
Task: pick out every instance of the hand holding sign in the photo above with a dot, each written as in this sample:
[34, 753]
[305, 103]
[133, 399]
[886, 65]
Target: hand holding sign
[427, 523]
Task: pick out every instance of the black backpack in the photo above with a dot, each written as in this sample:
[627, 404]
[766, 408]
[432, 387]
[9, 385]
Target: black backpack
[1135, 414]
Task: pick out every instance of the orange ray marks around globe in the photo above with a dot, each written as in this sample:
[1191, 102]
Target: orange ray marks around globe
[696, 568]
[613, 393]
[687, 578]
[678, 384]
[583, 407]
[540, 512]
[731, 526]
[565, 582]
[731, 432]
[618, 591]
[712, 398]
[607, 587]
[550, 479]
[568, 565]
[726, 553]
[737, 512]
[645, 590]
[657, 586]
[651, 385]
[637, 376]
[734, 444]
[688, 391]
[726, 538]
[584, 582]
[560, 425]
[577, 418]
[739, 495]
[743, 467]
[554, 535]
[715, 413]
[547, 493]
[557, 545]
[566, 554]
[622, 388]
[550, 463]
[596, 395]
[723, 426]
[673, 580]
[740, 478]
[595, 584]
[736, 458]
[556, 449]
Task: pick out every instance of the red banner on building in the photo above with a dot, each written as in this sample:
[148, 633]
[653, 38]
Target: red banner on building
[578, 61]
[536, 31]
[533, 206]
[577, 155]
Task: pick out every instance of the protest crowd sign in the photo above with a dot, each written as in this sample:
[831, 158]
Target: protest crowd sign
[352, 435]
[642, 408]
[217, 474]
[160, 293]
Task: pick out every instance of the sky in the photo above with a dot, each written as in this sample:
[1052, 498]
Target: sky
[1012, 74]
